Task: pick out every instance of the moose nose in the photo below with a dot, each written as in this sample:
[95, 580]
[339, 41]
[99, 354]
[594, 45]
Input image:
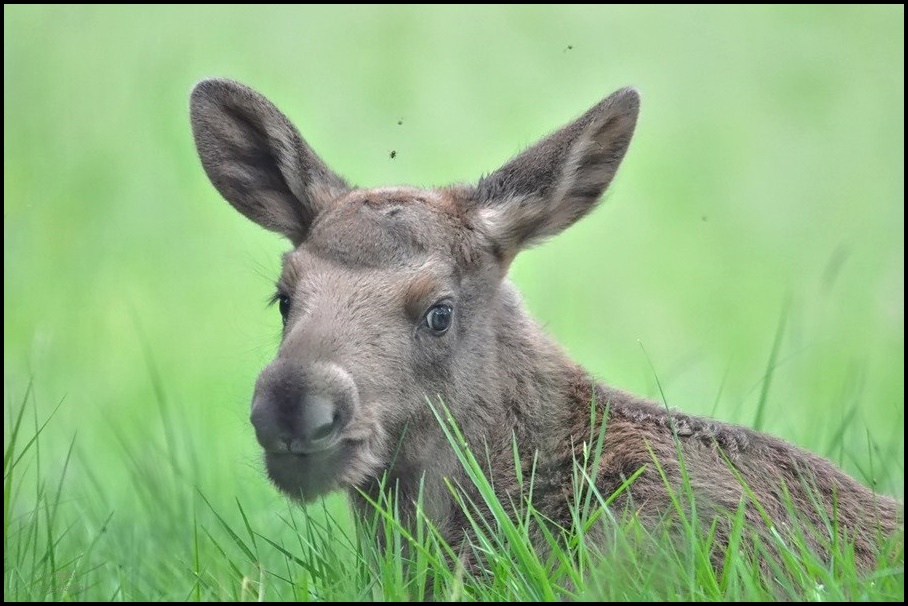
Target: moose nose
[296, 424]
[299, 426]
[302, 410]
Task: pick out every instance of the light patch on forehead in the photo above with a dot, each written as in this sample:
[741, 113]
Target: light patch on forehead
[398, 194]
[398, 190]
[386, 227]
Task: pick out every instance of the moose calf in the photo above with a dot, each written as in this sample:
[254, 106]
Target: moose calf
[395, 295]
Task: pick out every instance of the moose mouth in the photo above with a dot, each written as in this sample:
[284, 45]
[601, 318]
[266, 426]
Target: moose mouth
[306, 477]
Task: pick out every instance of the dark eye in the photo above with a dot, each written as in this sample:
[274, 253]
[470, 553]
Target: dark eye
[283, 304]
[438, 318]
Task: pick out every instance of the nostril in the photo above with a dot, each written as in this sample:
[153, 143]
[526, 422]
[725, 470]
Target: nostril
[319, 418]
[323, 431]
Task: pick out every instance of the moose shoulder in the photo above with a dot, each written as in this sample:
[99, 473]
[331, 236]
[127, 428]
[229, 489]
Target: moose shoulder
[395, 295]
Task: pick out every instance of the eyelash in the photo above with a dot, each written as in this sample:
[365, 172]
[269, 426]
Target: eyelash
[285, 303]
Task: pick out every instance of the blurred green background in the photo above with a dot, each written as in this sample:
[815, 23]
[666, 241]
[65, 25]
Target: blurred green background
[767, 169]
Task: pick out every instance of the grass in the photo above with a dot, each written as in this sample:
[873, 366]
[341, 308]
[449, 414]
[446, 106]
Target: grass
[768, 167]
[315, 556]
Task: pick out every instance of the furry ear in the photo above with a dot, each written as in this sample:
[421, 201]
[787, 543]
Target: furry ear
[558, 180]
[257, 159]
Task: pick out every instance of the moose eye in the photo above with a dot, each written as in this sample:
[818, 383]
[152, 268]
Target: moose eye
[438, 318]
[283, 304]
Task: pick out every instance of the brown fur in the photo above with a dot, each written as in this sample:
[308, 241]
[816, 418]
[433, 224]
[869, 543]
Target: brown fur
[344, 403]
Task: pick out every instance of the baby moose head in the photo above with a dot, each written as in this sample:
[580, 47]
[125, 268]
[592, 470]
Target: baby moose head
[397, 295]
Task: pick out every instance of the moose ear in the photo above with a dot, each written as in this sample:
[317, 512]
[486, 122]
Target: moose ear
[558, 180]
[257, 159]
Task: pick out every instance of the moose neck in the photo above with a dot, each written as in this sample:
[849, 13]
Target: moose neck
[527, 395]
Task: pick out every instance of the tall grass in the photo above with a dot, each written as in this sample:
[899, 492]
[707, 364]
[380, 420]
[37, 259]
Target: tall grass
[55, 550]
